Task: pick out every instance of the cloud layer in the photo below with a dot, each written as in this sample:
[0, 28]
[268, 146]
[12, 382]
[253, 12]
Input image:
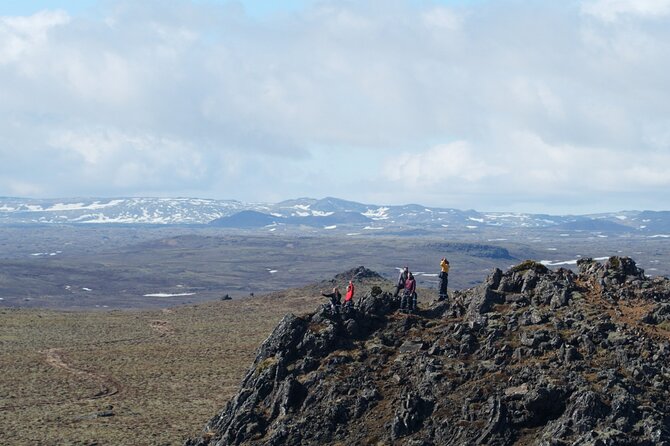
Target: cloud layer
[491, 105]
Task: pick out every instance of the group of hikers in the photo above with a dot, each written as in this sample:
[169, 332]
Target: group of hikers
[406, 283]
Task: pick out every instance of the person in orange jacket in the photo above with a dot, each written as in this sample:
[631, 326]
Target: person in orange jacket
[444, 278]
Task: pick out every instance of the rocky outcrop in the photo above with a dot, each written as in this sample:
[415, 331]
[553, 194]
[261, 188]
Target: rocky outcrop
[531, 356]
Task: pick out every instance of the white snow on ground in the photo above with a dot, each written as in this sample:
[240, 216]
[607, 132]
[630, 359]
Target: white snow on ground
[497, 239]
[272, 230]
[566, 262]
[478, 220]
[373, 227]
[602, 236]
[39, 254]
[2, 298]
[429, 274]
[275, 214]
[622, 217]
[494, 216]
[330, 227]
[551, 249]
[354, 233]
[6, 208]
[272, 271]
[445, 226]
[168, 294]
[86, 289]
[377, 214]
[564, 235]
[102, 218]
[81, 206]
[660, 236]
[302, 214]
[304, 207]
[471, 227]
[321, 213]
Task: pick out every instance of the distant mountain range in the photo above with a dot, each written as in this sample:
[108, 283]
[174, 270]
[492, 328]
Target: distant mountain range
[322, 214]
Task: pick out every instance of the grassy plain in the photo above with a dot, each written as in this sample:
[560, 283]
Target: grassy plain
[150, 377]
[127, 377]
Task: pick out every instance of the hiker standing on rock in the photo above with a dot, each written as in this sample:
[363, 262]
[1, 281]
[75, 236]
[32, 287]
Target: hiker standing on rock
[349, 297]
[335, 299]
[402, 278]
[444, 278]
[408, 301]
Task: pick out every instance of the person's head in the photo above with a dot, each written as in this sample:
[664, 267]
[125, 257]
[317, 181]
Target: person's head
[411, 276]
[351, 282]
[406, 269]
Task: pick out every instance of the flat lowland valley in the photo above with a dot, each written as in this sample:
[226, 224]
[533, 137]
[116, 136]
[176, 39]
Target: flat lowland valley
[129, 377]
[152, 370]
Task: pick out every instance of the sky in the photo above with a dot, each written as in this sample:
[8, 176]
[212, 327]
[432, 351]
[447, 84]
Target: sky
[505, 105]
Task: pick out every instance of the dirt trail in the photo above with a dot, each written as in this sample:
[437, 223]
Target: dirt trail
[108, 386]
[161, 327]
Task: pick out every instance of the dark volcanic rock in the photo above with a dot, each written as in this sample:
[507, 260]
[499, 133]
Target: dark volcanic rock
[359, 274]
[532, 356]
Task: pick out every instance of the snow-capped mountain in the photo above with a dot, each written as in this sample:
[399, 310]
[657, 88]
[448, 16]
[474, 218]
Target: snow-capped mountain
[327, 213]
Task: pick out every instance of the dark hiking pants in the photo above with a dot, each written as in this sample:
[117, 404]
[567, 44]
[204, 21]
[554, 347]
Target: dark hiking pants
[444, 281]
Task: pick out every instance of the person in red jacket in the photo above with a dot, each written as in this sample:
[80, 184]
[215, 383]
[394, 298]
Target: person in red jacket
[349, 297]
[409, 294]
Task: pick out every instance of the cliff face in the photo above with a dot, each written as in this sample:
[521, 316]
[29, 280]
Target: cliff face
[531, 356]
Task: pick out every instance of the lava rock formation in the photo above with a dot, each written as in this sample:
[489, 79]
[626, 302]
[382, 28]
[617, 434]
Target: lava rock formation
[531, 356]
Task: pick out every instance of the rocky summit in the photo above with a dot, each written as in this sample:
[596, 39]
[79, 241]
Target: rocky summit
[530, 357]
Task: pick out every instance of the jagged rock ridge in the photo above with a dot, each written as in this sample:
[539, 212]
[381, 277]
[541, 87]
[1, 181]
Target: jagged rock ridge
[531, 356]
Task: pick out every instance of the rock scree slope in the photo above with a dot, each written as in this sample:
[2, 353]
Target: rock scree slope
[530, 357]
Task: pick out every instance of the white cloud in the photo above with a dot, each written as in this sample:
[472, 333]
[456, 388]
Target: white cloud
[442, 164]
[21, 35]
[131, 160]
[199, 97]
[20, 188]
[612, 10]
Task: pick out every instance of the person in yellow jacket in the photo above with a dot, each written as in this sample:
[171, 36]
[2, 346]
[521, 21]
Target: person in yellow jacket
[444, 278]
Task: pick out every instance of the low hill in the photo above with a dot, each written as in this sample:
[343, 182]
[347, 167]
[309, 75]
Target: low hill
[531, 356]
[246, 219]
[594, 225]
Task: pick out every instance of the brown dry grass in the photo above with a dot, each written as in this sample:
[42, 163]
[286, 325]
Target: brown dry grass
[162, 373]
